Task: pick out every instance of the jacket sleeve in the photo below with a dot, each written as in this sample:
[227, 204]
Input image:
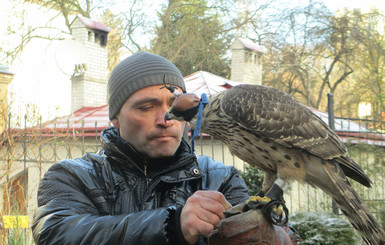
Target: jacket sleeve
[65, 215]
[224, 179]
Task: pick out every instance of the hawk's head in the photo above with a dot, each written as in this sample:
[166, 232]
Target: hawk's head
[184, 108]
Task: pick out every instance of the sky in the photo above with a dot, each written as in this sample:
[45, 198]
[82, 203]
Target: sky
[351, 4]
[38, 80]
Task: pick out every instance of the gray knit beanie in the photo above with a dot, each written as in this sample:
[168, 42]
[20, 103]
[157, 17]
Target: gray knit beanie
[140, 70]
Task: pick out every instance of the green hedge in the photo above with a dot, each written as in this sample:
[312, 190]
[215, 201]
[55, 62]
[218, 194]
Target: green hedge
[323, 228]
[253, 178]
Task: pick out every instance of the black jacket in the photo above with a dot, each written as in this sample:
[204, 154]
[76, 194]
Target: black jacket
[109, 198]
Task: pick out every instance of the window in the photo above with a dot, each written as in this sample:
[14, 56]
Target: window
[89, 36]
[96, 37]
[103, 40]
[14, 196]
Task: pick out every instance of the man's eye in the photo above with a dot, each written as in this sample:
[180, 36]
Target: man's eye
[171, 102]
[145, 108]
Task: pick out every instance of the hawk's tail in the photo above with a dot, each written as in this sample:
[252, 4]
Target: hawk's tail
[333, 181]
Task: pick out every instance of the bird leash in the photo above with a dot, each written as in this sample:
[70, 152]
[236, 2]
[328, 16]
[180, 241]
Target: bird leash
[194, 133]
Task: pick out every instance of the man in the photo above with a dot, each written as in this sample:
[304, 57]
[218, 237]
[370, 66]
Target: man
[145, 186]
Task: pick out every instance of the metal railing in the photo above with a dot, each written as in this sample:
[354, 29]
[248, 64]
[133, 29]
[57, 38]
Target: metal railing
[22, 149]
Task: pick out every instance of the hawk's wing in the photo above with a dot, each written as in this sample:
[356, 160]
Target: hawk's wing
[278, 117]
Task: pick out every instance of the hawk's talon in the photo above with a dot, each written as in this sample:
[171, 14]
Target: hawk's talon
[277, 211]
[256, 202]
[272, 205]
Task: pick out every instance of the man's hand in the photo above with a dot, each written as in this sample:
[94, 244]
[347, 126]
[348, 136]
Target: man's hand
[201, 214]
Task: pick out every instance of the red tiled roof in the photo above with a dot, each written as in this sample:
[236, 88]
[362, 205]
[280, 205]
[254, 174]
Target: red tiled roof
[93, 24]
[205, 82]
[247, 43]
[86, 121]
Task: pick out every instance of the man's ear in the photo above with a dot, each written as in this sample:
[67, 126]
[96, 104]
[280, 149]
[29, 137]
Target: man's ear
[115, 122]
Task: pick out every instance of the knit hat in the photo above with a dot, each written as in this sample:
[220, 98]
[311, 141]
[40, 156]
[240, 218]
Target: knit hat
[138, 71]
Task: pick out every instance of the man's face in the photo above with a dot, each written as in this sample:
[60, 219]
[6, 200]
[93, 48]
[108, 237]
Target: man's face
[141, 122]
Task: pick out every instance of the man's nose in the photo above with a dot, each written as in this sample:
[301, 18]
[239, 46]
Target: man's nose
[160, 119]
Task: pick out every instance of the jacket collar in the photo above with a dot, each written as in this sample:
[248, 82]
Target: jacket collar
[122, 151]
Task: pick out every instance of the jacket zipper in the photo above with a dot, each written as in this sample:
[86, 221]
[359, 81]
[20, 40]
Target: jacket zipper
[144, 170]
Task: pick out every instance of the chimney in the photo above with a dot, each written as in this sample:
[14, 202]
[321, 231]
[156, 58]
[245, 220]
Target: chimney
[246, 61]
[89, 82]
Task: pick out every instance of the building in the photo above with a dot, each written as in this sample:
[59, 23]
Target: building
[28, 153]
[6, 78]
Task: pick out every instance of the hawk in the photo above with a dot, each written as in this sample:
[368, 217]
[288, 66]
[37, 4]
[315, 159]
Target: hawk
[267, 128]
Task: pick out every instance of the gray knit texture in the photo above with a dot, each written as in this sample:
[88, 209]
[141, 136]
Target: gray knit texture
[138, 71]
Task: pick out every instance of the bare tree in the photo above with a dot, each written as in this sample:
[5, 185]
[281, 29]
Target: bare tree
[122, 26]
[196, 35]
[20, 32]
[68, 8]
[370, 61]
[116, 37]
[311, 53]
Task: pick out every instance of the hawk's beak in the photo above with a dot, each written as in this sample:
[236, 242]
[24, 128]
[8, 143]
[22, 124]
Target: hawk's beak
[167, 117]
